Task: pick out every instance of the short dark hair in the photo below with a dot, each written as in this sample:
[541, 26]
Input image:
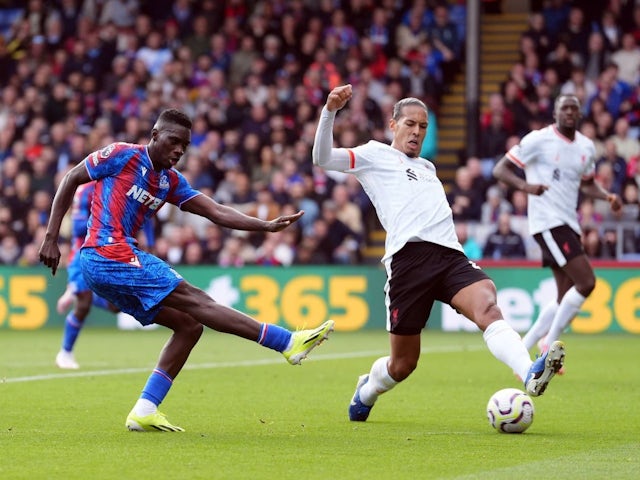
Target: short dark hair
[172, 115]
[405, 102]
[561, 97]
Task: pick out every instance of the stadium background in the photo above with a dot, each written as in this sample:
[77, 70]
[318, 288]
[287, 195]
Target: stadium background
[77, 75]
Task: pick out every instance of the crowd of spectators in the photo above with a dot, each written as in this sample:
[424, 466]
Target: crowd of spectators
[590, 49]
[76, 75]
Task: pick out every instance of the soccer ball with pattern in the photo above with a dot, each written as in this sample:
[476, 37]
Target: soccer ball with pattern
[510, 411]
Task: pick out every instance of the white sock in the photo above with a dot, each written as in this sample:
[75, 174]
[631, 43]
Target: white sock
[541, 326]
[144, 407]
[567, 310]
[379, 382]
[506, 345]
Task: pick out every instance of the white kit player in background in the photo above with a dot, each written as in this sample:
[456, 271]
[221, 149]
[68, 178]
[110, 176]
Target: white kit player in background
[423, 259]
[559, 164]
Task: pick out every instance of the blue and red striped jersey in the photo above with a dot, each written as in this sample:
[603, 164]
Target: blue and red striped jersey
[128, 192]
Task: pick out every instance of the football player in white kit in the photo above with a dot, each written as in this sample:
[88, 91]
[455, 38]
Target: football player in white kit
[423, 258]
[559, 163]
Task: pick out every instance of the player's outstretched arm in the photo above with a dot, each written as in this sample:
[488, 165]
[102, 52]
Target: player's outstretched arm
[49, 253]
[591, 188]
[504, 172]
[226, 216]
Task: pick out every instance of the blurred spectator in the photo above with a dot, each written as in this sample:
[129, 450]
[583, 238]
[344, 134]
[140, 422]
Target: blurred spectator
[556, 14]
[236, 252]
[409, 35]
[538, 33]
[630, 202]
[464, 199]
[635, 24]
[471, 248]
[494, 206]
[338, 242]
[560, 60]
[493, 137]
[516, 103]
[308, 252]
[340, 29]
[519, 202]
[611, 31]
[587, 215]
[504, 243]
[627, 58]
[606, 177]
[444, 36]
[496, 107]
[578, 84]
[10, 250]
[576, 32]
[122, 13]
[347, 211]
[480, 174]
[193, 254]
[198, 40]
[592, 243]
[597, 56]
[626, 145]
[617, 164]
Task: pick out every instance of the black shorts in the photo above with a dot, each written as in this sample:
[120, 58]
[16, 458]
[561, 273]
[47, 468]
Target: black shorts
[559, 245]
[419, 274]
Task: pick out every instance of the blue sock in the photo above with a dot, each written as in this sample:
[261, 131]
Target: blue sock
[157, 386]
[72, 327]
[100, 302]
[274, 337]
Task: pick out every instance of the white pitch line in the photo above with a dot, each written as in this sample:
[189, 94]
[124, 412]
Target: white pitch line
[240, 363]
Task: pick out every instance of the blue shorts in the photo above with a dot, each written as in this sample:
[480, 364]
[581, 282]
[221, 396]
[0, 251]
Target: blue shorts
[136, 288]
[75, 278]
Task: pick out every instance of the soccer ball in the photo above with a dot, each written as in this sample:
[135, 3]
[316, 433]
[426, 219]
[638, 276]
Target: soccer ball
[510, 411]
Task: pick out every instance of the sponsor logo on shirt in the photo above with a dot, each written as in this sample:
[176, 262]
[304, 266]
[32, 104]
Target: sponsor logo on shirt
[144, 197]
[411, 174]
[420, 176]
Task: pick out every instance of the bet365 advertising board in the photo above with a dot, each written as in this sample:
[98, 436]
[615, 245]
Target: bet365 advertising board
[299, 297]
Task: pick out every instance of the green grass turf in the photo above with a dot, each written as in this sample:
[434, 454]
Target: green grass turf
[248, 414]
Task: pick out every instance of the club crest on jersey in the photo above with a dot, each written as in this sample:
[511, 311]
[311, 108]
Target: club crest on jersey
[164, 182]
[106, 151]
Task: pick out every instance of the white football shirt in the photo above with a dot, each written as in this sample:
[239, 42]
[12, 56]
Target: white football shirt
[549, 158]
[408, 196]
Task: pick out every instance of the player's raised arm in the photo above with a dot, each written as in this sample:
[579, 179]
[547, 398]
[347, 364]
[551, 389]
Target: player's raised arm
[323, 153]
[49, 251]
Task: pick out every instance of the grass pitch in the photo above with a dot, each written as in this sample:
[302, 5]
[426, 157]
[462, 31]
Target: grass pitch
[248, 414]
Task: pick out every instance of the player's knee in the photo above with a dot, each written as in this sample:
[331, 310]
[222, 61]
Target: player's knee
[586, 286]
[187, 326]
[400, 369]
[194, 330]
[81, 311]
